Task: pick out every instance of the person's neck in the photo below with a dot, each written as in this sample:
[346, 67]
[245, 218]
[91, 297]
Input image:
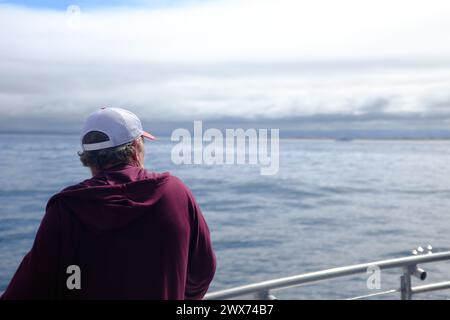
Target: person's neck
[95, 171]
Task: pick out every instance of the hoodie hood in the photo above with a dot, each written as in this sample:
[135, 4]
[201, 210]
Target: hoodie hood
[114, 198]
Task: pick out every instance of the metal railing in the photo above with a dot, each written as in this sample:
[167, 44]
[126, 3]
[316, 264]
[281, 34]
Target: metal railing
[264, 290]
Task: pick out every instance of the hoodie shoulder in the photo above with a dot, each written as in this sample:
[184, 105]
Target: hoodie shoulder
[176, 182]
[177, 186]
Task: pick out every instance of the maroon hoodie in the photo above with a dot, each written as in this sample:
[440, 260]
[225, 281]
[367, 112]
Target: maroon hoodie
[133, 234]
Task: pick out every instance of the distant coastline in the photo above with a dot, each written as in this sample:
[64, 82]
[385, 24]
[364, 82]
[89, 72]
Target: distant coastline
[290, 136]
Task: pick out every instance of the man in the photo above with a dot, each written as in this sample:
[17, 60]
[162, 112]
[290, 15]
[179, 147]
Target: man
[126, 233]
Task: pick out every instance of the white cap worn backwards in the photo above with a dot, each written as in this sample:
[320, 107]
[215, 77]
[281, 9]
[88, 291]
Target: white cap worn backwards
[120, 125]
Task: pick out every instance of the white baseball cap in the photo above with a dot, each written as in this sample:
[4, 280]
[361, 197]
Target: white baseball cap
[120, 125]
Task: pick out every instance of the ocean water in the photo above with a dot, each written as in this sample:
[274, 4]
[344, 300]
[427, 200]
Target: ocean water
[331, 204]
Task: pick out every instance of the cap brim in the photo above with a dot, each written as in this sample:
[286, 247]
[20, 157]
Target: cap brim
[148, 136]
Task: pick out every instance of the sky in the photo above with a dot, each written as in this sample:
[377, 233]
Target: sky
[322, 64]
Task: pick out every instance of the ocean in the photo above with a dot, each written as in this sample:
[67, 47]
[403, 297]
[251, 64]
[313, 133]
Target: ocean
[331, 204]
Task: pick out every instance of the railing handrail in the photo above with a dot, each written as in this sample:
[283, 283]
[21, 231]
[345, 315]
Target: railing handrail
[297, 280]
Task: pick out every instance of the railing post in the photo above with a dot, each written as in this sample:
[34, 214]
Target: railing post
[265, 295]
[405, 284]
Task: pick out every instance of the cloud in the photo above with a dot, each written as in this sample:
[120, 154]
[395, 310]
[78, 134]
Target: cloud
[243, 59]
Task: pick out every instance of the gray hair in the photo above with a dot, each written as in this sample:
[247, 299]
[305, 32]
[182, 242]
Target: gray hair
[102, 159]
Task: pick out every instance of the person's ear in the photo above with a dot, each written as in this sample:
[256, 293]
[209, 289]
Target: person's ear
[138, 146]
